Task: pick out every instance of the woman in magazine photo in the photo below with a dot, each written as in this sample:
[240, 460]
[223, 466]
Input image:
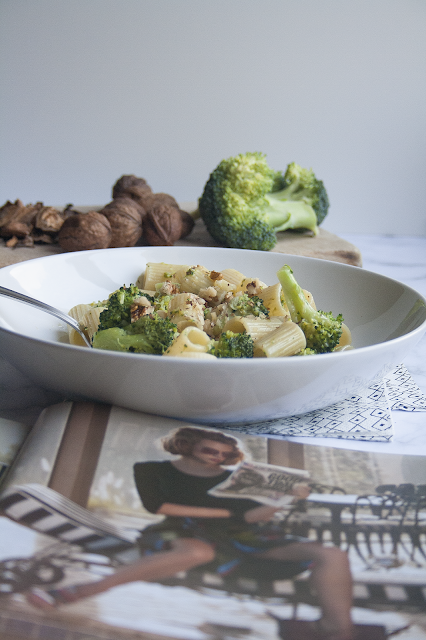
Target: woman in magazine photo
[230, 534]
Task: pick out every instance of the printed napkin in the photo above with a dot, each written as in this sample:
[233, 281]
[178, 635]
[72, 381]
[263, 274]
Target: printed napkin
[366, 416]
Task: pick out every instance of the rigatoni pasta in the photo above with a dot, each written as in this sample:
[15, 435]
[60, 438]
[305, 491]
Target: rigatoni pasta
[213, 314]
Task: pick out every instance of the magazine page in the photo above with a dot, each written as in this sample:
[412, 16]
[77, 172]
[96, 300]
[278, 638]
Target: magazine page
[161, 549]
[12, 436]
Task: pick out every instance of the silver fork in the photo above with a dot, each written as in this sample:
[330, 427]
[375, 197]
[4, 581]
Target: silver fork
[20, 297]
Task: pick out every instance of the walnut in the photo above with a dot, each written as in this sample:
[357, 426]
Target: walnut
[125, 182]
[85, 231]
[141, 195]
[125, 217]
[156, 199]
[10, 210]
[48, 220]
[162, 226]
[16, 219]
[188, 223]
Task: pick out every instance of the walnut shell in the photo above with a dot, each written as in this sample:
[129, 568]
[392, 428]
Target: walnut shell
[156, 199]
[141, 195]
[125, 217]
[17, 219]
[188, 223]
[49, 220]
[122, 185]
[162, 226]
[85, 231]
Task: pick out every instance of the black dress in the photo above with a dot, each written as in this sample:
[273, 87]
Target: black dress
[235, 541]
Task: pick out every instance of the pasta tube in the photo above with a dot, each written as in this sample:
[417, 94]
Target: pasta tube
[345, 341]
[210, 285]
[256, 327]
[310, 298]
[234, 277]
[157, 272]
[191, 340]
[87, 317]
[186, 309]
[78, 313]
[287, 340]
[274, 301]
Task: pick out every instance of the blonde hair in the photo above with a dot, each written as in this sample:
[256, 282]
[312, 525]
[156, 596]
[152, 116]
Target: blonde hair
[183, 440]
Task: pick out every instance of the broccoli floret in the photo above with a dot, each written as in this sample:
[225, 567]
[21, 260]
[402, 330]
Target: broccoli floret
[161, 302]
[245, 202]
[117, 312]
[245, 305]
[233, 345]
[322, 330]
[302, 191]
[306, 352]
[150, 334]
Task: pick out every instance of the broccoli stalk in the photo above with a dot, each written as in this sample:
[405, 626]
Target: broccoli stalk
[233, 345]
[150, 334]
[303, 196]
[245, 202]
[322, 330]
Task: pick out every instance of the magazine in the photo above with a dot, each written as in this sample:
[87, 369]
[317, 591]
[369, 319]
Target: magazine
[116, 524]
[12, 436]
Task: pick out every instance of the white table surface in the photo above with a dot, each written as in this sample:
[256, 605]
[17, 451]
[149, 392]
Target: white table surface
[400, 257]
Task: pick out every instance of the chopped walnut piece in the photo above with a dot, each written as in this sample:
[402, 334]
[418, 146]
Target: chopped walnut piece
[209, 294]
[140, 308]
[169, 288]
[254, 287]
[12, 242]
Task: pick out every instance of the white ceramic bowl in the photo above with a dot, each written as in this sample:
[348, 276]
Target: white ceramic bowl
[386, 318]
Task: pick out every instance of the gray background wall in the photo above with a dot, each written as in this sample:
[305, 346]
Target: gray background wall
[164, 89]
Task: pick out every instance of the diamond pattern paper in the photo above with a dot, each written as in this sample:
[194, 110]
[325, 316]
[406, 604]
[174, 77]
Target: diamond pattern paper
[359, 417]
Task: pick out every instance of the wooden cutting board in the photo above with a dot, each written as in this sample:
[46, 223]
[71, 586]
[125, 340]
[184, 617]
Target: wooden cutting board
[325, 245]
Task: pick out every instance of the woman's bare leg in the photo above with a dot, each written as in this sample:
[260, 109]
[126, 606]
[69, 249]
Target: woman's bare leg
[185, 554]
[330, 577]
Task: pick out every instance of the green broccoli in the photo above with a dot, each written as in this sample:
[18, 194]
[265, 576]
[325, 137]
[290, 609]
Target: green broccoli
[245, 202]
[233, 345]
[306, 352]
[322, 330]
[150, 334]
[117, 312]
[161, 302]
[245, 305]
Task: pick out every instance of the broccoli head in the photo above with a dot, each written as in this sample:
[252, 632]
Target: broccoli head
[245, 305]
[150, 334]
[117, 311]
[306, 352]
[233, 345]
[322, 330]
[245, 202]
